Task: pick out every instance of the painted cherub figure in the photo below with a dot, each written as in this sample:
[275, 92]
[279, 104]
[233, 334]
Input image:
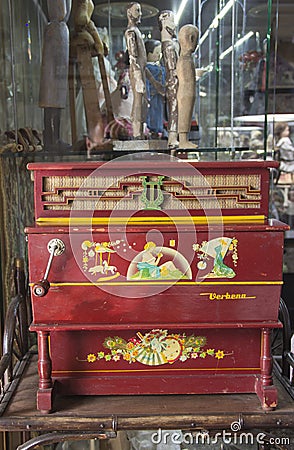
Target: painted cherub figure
[186, 93]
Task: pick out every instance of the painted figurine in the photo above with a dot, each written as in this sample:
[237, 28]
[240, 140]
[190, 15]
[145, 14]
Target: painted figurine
[149, 267]
[138, 60]
[188, 37]
[285, 146]
[54, 69]
[155, 87]
[216, 250]
[170, 52]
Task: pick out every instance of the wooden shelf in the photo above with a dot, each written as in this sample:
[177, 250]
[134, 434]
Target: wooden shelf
[92, 413]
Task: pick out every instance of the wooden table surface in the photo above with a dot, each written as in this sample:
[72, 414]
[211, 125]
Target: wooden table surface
[92, 413]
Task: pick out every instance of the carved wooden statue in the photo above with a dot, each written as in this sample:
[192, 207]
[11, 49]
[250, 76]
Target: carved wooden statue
[138, 60]
[170, 51]
[188, 36]
[86, 44]
[85, 28]
[54, 69]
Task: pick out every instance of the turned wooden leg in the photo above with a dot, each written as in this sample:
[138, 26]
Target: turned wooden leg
[264, 387]
[266, 363]
[44, 395]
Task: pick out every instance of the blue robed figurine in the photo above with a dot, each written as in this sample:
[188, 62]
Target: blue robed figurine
[155, 88]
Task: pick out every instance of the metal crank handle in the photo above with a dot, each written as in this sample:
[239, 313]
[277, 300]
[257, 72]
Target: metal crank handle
[55, 247]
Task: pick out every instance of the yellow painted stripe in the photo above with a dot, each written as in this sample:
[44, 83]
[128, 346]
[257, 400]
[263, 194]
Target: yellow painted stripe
[146, 220]
[191, 283]
[156, 370]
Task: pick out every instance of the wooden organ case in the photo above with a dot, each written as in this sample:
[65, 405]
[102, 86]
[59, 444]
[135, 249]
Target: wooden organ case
[154, 277]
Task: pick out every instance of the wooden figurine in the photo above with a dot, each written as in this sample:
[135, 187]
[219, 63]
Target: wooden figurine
[85, 28]
[188, 36]
[88, 44]
[88, 33]
[138, 60]
[170, 51]
[54, 69]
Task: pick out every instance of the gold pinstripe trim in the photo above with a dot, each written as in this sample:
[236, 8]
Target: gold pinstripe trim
[146, 220]
[192, 283]
[157, 370]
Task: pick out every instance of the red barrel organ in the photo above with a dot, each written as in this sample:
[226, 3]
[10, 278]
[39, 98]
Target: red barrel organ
[154, 277]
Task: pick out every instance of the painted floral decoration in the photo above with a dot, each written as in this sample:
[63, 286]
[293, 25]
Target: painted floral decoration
[155, 348]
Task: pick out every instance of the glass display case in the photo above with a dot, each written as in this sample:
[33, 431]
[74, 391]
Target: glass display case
[244, 70]
[233, 56]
